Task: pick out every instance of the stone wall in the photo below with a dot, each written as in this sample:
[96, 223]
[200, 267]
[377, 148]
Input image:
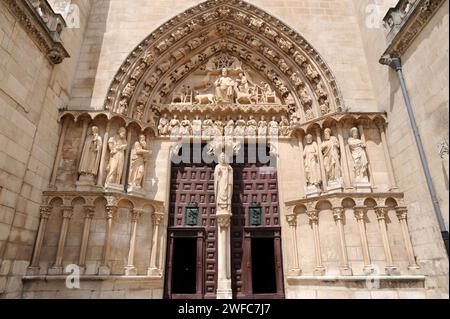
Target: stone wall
[425, 66]
[31, 92]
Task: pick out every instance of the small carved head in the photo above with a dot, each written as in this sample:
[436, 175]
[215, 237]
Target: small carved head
[223, 159]
[354, 132]
[309, 139]
[122, 132]
[94, 130]
[142, 139]
[327, 133]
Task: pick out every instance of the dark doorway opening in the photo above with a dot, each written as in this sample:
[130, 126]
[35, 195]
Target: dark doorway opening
[184, 266]
[263, 266]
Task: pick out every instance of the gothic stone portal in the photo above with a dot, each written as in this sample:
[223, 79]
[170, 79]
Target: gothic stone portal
[255, 233]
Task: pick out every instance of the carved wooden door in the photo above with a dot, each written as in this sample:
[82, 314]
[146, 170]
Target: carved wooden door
[255, 214]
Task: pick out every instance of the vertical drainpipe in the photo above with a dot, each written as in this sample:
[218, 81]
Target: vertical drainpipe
[396, 64]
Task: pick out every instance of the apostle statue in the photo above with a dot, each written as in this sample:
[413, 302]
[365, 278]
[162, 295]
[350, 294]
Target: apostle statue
[359, 155]
[311, 158]
[174, 126]
[252, 126]
[138, 159]
[262, 127]
[223, 184]
[224, 88]
[185, 127]
[197, 126]
[90, 158]
[117, 147]
[331, 156]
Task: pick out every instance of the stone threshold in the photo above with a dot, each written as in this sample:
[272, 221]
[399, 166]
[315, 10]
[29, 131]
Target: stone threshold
[94, 278]
[406, 281]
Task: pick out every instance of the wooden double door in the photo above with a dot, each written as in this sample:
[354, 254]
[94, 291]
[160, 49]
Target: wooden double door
[256, 258]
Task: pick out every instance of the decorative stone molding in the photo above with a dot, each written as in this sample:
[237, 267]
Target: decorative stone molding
[405, 21]
[43, 25]
[202, 36]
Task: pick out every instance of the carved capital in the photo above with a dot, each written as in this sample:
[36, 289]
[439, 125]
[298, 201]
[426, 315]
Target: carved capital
[67, 212]
[360, 212]
[223, 220]
[136, 214]
[338, 213]
[292, 220]
[89, 211]
[402, 213]
[45, 212]
[313, 216]
[381, 212]
[111, 211]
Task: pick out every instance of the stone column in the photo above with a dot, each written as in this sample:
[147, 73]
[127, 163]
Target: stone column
[402, 215]
[322, 167]
[130, 269]
[57, 268]
[363, 138]
[89, 212]
[224, 254]
[360, 214]
[344, 158]
[45, 212]
[314, 221]
[338, 213]
[101, 171]
[62, 137]
[104, 268]
[381, 216]
[387, 157]
[294, 268]
[154, 269]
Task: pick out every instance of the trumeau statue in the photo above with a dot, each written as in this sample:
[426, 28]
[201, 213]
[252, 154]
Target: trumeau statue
[311, 157]
[223, 184]
[90, 158]
[225, 88]
[331, 156]
[117, 146]
[138, 159]
[359, 155]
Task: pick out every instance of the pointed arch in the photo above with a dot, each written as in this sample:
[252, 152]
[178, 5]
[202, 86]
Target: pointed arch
[284, 58]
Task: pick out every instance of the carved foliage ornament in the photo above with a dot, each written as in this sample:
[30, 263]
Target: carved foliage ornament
[174, 41]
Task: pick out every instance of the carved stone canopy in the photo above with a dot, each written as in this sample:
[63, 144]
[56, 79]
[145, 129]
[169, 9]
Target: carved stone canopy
[217, 35]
